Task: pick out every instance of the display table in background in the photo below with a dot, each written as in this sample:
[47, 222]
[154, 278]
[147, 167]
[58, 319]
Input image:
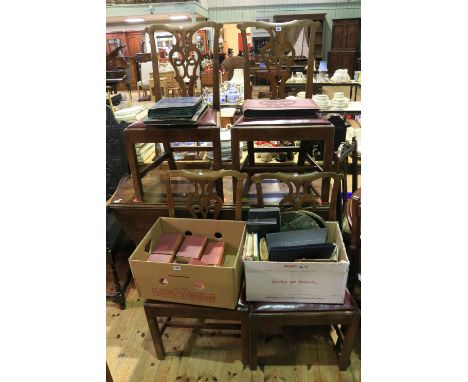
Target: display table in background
[296, 86]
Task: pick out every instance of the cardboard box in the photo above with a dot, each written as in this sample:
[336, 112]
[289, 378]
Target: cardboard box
[186, 283]
[303, 282]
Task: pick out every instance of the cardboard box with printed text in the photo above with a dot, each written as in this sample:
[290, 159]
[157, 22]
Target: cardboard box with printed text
[216, 286]
[303, 282]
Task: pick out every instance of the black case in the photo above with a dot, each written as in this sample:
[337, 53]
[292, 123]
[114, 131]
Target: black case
[313, 252]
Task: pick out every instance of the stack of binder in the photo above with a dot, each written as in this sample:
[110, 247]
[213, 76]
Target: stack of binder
[180, 111]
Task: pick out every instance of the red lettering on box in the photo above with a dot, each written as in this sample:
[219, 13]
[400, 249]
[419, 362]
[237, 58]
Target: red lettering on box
[184, 295]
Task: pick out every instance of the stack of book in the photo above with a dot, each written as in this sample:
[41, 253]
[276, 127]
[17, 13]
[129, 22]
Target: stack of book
[145, 152]
[192, 249]
[180, 111]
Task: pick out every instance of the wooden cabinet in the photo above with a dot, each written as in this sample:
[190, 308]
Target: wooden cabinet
[131, 40]
[133, 43]
[346, 34]
[342, 60]
[346, 42]
[319, 37]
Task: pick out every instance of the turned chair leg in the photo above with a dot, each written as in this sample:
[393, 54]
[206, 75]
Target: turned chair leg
[155, 332]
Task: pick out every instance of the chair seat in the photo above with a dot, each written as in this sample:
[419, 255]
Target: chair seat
[281, 307]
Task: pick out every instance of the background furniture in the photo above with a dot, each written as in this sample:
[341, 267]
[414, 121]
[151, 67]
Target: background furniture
[207, 78]
[203, 201]
[319, 42]
[114, 239]
[116, 168]
[166, 82]
[117, 72]
[345, 48]
[344, 318]
[144, 82]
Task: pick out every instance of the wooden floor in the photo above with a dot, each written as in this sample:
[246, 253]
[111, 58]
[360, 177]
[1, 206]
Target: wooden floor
[286, 354]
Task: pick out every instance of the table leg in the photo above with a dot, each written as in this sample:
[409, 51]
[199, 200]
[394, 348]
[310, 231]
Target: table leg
[155, 332]
[327, 163]
[217, 164]
[251, 153]
[253, 336]
[133, 165]
[348, 343]
[171, 161]
[245, 338]
[302, 151]
[235, 158]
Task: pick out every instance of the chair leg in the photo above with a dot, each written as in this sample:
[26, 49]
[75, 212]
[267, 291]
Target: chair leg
[171, 160]
[155, 332]
[245, 338]
[253, 339]
[119, 294]
[349, 337]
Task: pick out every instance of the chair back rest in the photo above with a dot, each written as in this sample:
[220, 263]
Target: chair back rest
[204, 202]
[278, 54]
[145, 70]
[185, 57]
[341, 166]
[302, 192]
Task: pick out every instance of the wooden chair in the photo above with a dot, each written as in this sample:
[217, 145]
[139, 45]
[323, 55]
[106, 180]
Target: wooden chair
[277, 71]
[344, 318]
[204, 203]
[353, 214]
[185, 58]
[155, 309]
[302, 193]
[341, 166]
[274, 54]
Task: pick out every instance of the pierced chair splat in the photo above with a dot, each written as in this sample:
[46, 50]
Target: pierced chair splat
[302, 191]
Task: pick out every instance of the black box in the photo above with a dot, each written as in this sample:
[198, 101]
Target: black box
[262, 226]
[265, 213]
